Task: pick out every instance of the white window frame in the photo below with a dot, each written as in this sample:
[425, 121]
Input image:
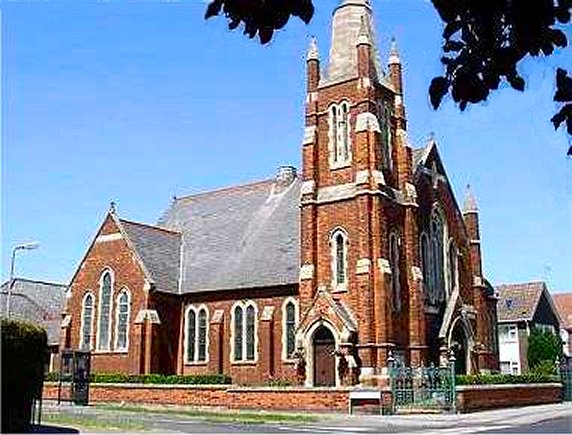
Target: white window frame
[395, 242]
[336, 144]
[196, 309]
[244, 305]
[98, 347]
[123, 291]
[339, 286]
[289, 300]
[508, 334]
[82, 321]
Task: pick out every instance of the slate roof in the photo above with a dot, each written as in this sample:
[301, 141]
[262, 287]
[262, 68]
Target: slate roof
[563, 302]
[239, 237]
[417, 156]
[518, 301]
[159, 250]
[38, 302]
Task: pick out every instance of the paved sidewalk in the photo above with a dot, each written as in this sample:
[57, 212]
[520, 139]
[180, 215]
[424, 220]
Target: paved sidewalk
[544, 418]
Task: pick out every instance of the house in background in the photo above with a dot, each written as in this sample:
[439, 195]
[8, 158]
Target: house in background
[563, 303]
[37, 302]
[522, 307]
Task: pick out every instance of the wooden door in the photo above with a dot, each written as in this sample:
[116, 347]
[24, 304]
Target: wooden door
[324, 358]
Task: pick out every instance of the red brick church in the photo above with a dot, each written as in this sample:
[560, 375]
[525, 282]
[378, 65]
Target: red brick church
[313, 277]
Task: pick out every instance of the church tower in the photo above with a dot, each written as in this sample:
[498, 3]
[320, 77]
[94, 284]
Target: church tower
[356, 192]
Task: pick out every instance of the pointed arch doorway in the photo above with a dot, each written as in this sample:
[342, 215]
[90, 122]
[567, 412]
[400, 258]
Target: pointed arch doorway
[461, 343]
[323, 347]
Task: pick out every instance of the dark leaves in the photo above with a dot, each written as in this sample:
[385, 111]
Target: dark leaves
[260, 17]
[437, 90]
[484, 41]
[563, 94]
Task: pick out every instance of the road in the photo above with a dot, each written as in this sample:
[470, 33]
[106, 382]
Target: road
[534, 419]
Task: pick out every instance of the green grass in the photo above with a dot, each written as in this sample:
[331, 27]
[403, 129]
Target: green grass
[246, 417]
[89, 422]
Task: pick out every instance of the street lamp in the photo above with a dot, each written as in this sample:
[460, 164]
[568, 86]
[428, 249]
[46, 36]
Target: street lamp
[24, 246]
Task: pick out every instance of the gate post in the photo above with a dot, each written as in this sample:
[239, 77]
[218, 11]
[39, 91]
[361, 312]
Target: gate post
[390, 362]
[453, 387]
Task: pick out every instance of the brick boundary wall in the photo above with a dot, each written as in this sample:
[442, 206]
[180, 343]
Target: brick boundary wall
[469, 397]
[480, 397]
[233, 397]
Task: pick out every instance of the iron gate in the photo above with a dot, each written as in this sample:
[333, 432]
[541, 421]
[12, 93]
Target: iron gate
[423, 388]
[566, 378]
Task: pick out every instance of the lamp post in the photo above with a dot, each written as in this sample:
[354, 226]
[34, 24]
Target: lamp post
[21, 247]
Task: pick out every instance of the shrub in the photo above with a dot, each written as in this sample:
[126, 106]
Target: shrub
[544, 349]
[545, 368]
[494, 379]
[24, 353]
[124, 378]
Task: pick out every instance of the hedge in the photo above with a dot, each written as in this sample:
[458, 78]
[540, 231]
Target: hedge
[123, 378]
[487, 379]
[24, 354]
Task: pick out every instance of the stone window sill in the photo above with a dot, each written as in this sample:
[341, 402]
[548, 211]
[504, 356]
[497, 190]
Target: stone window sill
[244, 363]
[196, 363]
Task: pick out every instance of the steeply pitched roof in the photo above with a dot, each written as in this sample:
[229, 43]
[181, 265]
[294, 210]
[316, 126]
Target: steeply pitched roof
[518, 301]
[563, 302]
[159, 250]
[417, 155]
[38, 302]
[239, 237]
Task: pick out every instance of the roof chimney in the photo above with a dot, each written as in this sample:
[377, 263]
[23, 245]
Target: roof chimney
[286, 175]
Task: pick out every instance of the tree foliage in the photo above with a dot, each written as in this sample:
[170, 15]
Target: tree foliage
[544, 350]
[483, 42]
[24, 352]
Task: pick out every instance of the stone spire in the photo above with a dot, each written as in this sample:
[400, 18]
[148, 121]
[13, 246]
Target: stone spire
[313, 53]
[394, 53]
[351, 18]
[470, 205]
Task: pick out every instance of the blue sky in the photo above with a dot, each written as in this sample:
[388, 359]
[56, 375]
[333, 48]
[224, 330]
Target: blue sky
[139, 101]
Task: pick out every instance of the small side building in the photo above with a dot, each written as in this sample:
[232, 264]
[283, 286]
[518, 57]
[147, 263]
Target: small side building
[522, 307]
[38, 302]
[563, 302]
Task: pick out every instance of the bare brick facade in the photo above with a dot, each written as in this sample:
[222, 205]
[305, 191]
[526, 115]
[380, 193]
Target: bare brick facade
[312, 278]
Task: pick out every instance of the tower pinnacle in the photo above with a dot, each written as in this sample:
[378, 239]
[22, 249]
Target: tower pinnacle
[363, 35]
[313, 53]
[394, 53]
[470, 204]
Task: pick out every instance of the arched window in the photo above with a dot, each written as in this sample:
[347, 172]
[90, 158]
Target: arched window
[250, 332]
[426, 267]
[244, 332]
[289, 325]
[104, 326]
[122, 321]
[452, 268]
[339, 134]
[384, 117]
[394, 258]
[339, 246]
[437, 247]
[196, 335]
[238, 333]
[191, 335]
[342, 151]
[86, 322]
[202, 353]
